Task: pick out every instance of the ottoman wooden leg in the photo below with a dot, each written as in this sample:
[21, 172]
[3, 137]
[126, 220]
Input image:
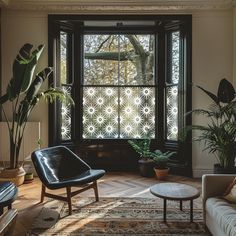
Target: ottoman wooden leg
[164, 211]
[191, 210]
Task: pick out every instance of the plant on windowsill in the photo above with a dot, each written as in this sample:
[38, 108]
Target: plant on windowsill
[219, 135]
[142, 147]
[160, 159]
[22, 95]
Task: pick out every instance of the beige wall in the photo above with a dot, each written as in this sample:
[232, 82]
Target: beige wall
[32, 134]
[19, 28]
[212, 59]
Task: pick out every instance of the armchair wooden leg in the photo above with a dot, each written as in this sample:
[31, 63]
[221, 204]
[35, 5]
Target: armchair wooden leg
[43, 192]
[95, 187]
[68, 191]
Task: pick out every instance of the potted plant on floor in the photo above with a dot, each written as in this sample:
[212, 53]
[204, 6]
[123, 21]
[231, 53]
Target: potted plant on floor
[219, 134]
[160, 159]
[146, 164]
[22, 95]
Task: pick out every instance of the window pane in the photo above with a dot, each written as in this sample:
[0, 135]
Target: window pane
[119, 59]
[175, 60]
[106, 116]
[100, 109]
[172, 112]
[101, 59]
[137, 113]
[66, 117]
[138, 66]
[63, 57]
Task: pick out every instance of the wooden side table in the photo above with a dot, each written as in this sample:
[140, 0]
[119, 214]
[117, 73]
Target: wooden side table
[8, 194]
[176, 192]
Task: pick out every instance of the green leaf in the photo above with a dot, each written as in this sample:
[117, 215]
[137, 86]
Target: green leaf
[36, 84]
[28, 76]
[142, 147]
[52, 94]
[211, 95]
[23, 70]
[27, 102]
[3, 99]
[226, 92]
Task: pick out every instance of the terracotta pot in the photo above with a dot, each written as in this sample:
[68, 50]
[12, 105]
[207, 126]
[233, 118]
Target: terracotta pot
[16, 176]
[161, 174]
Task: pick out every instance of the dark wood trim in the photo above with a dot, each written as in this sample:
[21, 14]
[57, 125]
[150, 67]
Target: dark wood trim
[161, 68]
[53, 44]
[82, 17]
[188, 90]
[78, 74]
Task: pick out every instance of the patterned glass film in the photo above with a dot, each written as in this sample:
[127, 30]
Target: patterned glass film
[100, 111]
[137, 112]
[116, 111]
[66, 117]
[172, 89]
[65, 108]
[172, 112]
[175, 38]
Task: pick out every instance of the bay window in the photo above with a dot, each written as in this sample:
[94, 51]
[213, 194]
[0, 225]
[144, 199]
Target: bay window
[129, 77]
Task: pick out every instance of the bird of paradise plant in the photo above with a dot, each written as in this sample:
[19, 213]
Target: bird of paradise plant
[23, 93]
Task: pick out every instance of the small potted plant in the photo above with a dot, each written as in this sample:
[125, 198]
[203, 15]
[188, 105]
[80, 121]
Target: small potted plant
[146, 164]
[160, 159]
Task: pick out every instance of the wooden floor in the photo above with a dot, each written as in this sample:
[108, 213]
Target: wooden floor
[111, 185]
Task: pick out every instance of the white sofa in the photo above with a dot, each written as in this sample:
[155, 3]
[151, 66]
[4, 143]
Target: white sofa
[219, 215]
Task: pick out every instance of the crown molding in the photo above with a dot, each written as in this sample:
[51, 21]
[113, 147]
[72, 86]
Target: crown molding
[99, 6]
[4, 2]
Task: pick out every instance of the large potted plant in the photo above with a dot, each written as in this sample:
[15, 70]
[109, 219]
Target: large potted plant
[219, 134]
[160, 159]
[23, 94]
[146, 164]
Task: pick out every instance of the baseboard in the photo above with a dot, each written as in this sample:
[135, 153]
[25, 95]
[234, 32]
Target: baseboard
[198, 173]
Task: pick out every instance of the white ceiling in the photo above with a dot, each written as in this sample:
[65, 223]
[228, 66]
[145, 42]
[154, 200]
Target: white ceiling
[73, 5]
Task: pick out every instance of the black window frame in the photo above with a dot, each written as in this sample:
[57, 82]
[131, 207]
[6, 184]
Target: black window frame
[163, 24]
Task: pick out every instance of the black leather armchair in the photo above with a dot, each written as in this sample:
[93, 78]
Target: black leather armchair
[58, 167]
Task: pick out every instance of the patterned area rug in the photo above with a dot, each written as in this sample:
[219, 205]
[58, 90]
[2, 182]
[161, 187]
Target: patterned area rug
[118, 216]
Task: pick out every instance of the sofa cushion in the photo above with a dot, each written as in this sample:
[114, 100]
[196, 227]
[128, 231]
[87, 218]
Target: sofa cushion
[224, 213]
[230, 194]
